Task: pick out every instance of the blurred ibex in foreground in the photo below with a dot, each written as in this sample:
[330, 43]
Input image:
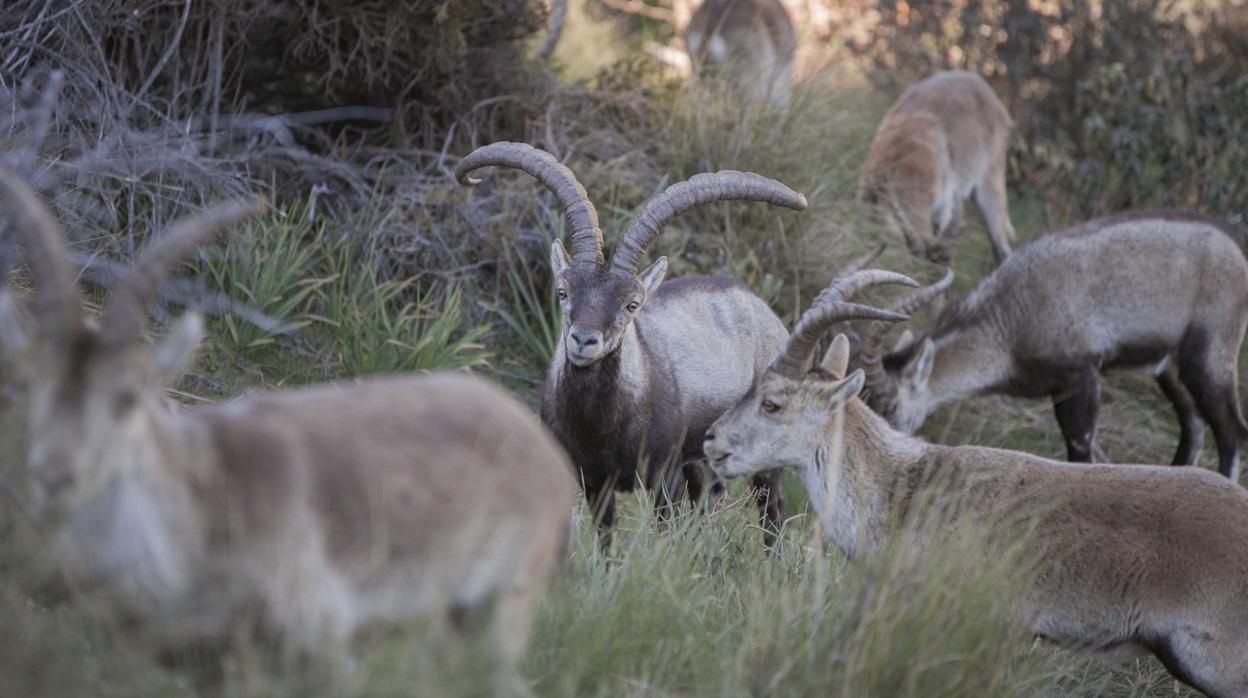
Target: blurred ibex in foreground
[1127, 560]
[326, 508]
[1166, 290]
[943, 141]
[643, 367]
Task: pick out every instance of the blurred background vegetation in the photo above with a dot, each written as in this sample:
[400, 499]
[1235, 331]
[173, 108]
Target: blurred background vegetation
[350, 115]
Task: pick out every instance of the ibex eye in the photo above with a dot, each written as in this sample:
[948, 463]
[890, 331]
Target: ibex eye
[770, 407]
[563, 295]
[633, 306]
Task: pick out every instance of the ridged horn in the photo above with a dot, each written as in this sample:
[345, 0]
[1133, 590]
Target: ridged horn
[580, 213]
[57, 306]
[139, 286]
[830, 308]
[725, 185]
[879, 384]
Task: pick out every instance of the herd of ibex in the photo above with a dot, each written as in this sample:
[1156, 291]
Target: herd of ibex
[314, 512]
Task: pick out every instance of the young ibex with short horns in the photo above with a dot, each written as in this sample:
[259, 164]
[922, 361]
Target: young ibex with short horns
[328, 507]
[750, 42]
[643, 367]
[1160, 289]
[1127, 559]
[944, 140]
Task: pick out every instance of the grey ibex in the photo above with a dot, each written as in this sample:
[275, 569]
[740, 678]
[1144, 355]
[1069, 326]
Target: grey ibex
[944, 140]
[642, 367]
[328, 507]
[752, 43]
[1166, 290]
[1127, 560]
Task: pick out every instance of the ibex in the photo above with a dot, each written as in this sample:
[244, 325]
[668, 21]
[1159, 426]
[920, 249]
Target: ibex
[1161, 289]
[944, 140]
[327, 508]
[643, 367]
[750, 42]
[1127, 560]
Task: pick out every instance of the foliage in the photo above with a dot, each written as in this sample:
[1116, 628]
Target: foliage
[532, 313]
[270, 268]
[376, 325]
[1165, 140]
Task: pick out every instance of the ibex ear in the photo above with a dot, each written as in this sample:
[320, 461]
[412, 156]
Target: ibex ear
[174, 354]
[559, 259]
[848, 389]
[653, 275]
[905, 340]
[836, 360]
[919, 368]
[14, 337]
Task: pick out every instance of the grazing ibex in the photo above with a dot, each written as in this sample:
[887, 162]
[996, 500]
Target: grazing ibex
[749, 42]
[1127, 559]
[1160, 289]
[643, 367]
[325, 508]
[944, 140]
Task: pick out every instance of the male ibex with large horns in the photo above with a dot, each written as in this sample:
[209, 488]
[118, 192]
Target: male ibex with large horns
[943, 141]
[643, 367]
[327, 508]
[1161, 289]
[1127, 560]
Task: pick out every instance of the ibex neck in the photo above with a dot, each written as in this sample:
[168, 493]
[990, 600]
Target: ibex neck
[852, 501]
[969, 361]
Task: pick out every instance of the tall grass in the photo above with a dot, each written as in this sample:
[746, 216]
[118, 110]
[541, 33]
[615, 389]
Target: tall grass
[698, 609]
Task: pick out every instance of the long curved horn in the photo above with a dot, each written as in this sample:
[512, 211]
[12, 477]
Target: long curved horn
[725, 185]
[580, 213]
[58, 307]
[829, 309]
[126, 311]
[879, 384]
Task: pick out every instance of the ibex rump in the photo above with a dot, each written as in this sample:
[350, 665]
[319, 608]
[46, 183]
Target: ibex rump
[749, 42]
[942, 142]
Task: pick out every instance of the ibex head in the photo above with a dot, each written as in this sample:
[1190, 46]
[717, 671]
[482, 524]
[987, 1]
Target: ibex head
[599, 302]
[791, 406]
[897, 383]
[93, 384]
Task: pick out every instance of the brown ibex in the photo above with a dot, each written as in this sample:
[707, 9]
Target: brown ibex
[1127, 559]
[1161, 289]
[943, 141]
[749, 42]
[327, 507]
[643, 367]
